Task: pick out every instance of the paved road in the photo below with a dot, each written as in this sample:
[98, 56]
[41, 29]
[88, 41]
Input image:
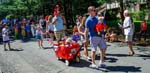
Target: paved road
[34, 60]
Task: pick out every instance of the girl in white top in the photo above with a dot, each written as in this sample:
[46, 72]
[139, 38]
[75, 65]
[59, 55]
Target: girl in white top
[39, 36]
[5, 36]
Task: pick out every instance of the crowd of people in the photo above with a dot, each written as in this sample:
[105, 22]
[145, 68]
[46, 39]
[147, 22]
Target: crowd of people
[90, 28]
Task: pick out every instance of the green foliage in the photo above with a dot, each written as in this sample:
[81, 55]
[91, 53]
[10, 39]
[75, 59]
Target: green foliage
[21, 7]
[138, 15]
[101, 1]
[9, 16]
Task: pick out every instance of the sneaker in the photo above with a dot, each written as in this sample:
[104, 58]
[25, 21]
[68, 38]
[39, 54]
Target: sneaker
[94, 66]
[88, 58]
[5, 49]
[102, 65]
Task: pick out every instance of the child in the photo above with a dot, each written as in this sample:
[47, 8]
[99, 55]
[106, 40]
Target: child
[100, 26]
[113, 37]
[5, 36]
[39, 36]
[56, 9]
[76, 35]
[143, 30]
[107, 36]
[16, 31]
[23, 33]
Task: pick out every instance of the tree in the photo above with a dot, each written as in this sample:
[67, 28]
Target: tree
[121, 10]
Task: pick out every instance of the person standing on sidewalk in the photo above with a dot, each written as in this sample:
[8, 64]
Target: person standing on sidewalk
[95, 39]
[128, 31]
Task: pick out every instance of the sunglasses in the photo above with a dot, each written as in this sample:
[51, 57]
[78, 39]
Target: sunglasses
[93, 10]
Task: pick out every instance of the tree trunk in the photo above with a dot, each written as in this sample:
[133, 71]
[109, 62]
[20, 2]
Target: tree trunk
[121, 10]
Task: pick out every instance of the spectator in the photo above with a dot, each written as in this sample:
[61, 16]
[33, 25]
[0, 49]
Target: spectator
[42, 23]
[5, 36]
[128, 31]
[143, 30]
[107, 36]
[16, 31]
[33, 28]
[23, 33]
[113, 37]
[27, 30]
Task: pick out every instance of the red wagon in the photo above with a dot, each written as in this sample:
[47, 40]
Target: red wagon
[68, 52]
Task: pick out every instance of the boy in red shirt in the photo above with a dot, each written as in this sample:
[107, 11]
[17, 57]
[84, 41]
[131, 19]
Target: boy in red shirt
[143, 30]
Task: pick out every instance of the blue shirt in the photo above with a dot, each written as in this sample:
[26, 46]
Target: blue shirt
[5, 21]
[27, 28]
[90, 24]
[58, 26]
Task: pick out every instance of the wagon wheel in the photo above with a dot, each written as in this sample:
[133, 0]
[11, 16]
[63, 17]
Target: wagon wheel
[67, 62]
[58, 58]
[77, 59]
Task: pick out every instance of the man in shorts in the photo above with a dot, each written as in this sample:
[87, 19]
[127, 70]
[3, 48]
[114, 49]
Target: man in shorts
[95, 39]
[128, 31]
[5, 36]
[59, 28]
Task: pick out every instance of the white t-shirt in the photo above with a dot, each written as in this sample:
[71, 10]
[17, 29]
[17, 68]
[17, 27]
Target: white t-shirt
[5, 34]
[39, 33]
[127, 22]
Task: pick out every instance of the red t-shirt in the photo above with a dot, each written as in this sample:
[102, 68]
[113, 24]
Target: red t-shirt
[100, 27]
[143, 26]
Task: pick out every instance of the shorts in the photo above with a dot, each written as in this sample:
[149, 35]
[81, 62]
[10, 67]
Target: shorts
[128, 38]
[59, 35]
[97, 42]
[38, 37]
[50, 31]
[6, 41]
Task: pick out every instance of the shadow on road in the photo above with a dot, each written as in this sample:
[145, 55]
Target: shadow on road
[111, 60]
[117, 55]
[14, 49]
[83, 63]
[108, 59]
[47, 48]
[123, 69]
